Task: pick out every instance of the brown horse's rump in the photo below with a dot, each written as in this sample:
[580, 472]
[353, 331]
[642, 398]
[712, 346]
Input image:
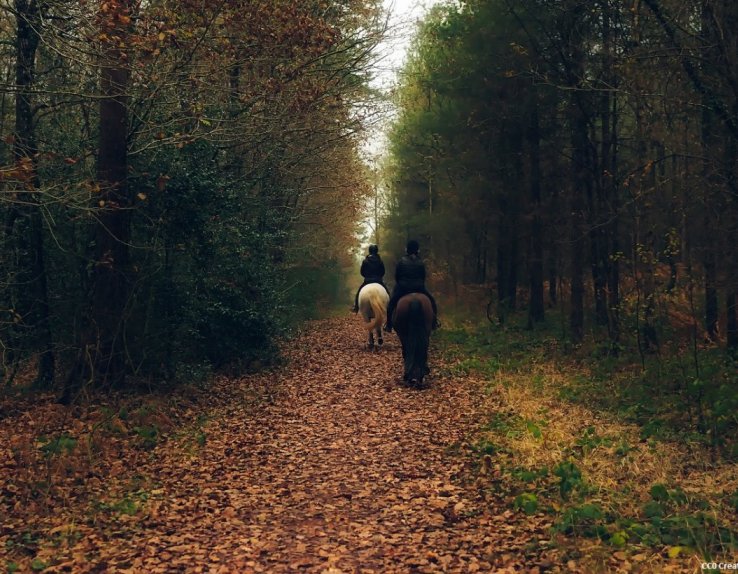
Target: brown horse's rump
[401, 311]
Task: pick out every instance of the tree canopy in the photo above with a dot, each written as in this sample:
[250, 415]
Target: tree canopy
[538, 138]
[175, 173]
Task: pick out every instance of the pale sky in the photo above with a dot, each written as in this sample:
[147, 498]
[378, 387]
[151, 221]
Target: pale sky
[391, 53]
[403, 16]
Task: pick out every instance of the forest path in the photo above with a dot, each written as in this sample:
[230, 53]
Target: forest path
[328, 465]
[346, 471]
[325, 465]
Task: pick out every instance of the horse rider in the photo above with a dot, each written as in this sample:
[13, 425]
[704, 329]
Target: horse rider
[409, 278]
[372, 270]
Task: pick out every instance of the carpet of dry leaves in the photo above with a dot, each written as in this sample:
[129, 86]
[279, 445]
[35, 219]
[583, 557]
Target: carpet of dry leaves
[327, 465]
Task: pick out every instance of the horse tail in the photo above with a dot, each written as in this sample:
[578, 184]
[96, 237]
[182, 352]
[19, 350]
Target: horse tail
[417, 339]
[378, 310]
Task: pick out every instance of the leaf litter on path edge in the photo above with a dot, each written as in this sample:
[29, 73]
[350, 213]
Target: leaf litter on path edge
[345, 470]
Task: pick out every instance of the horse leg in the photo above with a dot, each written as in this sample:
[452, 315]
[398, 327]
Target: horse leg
[371, 340]
[380, 339]
[407, 373]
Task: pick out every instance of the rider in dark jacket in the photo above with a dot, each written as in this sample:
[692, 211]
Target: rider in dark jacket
[409, 278]
[372, 270]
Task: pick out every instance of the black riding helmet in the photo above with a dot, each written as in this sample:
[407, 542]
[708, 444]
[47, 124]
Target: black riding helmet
[373, 249]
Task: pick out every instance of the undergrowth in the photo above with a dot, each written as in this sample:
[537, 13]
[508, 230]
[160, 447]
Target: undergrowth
[674, 394]
[602, 481]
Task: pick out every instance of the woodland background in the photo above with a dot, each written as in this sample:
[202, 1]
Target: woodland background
[183, 184]
[576, 162]
[181, 181]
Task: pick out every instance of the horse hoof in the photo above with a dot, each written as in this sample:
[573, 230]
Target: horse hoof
[380, 342]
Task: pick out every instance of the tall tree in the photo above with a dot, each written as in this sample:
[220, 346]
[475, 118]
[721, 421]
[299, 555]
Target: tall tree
[24, 225]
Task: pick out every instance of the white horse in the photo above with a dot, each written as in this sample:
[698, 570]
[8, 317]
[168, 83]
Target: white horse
[373, 300]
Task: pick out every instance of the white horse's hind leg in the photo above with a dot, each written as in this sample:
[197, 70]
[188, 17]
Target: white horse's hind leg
[380, 339]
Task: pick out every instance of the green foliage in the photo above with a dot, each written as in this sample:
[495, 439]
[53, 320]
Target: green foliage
[513, 426]
[640, 532]
[486, 350]
[485, 447]
[473, 365]
[659, 493]
[583, 520]
[534, 429]
[126, 506]
[455, 108]
[653, 509]
[696, 530]
[665, 398]
[62, 444]
[670, 517]
[619, 539]
[148, 435]
[527, 501]
[674, 497]
[590, 440]
[623, 448]
[461, 160]
[505, 424]
[226, 169]
[529, 475]
[228, 315]
[570, 477]
[733, 501]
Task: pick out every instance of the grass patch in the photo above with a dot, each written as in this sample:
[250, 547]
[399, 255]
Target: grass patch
[610, 450]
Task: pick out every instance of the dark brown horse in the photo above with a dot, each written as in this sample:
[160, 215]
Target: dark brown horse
[413, 319]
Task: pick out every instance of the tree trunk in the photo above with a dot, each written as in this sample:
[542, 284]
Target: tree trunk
[503, 255]
[609, 256]
[731, 155]
[732, 322]
[110, 291]
[102, 359]
[580, 144]
[535, 257]
[576, 228]
[708, 143]
[25, 223]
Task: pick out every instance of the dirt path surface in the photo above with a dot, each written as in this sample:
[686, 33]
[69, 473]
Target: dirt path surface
[344, 470]
[347, 472]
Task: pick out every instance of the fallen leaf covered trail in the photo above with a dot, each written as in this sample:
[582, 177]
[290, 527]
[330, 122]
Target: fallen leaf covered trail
[346, 470]
[341, 470]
